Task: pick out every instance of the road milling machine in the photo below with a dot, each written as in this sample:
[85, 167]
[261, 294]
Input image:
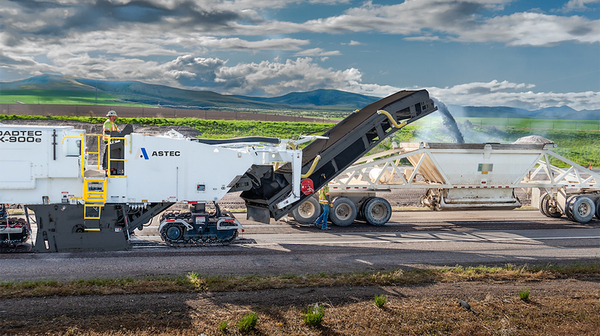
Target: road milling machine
[55, 172]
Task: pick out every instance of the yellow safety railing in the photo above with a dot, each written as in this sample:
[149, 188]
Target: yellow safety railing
[94, 189]
[94, 196]
[97, 152]
[109, 159]
[82, 149]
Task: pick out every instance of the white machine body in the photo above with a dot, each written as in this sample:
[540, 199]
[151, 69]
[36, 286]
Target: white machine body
[41, 164]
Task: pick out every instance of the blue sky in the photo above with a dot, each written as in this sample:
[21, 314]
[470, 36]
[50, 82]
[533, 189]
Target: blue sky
[528, 54]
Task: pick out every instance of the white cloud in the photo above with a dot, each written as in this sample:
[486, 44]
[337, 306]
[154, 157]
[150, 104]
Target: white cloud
[577, 5]
[318, 52]
[240, 44]
[460, 20]
[423, 38]
[520, 95]
[534, 29]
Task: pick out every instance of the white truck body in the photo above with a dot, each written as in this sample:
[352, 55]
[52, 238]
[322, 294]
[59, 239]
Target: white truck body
[467, 176]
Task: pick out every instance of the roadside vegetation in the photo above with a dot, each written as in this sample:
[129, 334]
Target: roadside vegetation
[195, 282]
[407, 302]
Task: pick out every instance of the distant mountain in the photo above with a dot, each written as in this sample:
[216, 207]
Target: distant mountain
[320, 97]
[47, 82]
[324, 100]
[142, 93]
[151, 94]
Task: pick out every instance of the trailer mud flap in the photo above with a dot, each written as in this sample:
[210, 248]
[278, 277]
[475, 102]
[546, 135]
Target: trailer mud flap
[258, 214]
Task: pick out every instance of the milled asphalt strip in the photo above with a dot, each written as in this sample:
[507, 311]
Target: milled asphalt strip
[425, 237]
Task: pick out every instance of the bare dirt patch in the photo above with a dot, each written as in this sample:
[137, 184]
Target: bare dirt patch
[557, 307]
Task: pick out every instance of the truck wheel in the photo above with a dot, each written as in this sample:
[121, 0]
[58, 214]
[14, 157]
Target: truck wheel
[361, 209]
[308, 211]
[544, 204]
[378, 211]
[173, 232]
[546, 209]
[598, 208]
[583, 209]
[343, 212]
[569, 206]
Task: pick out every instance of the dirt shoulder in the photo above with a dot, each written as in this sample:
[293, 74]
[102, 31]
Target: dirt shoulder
[564, 306]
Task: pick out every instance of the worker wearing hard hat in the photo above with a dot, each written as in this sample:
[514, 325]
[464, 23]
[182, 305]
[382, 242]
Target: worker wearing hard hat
[109, 126]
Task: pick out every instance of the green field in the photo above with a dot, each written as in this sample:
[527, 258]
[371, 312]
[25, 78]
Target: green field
[526, 123]
[569, 124]
[577, 140]
[211, 129]
[581, 146]
[59, 97]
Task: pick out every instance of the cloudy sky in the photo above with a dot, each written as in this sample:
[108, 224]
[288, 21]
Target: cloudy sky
[522, 53]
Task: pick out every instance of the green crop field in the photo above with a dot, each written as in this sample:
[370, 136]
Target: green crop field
[60, 97]
[211, 129]
[529, 123]
[577, 140]
[568, 124]
[579, 145]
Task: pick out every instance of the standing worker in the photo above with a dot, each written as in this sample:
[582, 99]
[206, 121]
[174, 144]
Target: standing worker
[109, 126]
[325, 204]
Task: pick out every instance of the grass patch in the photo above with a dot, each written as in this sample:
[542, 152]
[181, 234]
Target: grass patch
[194, 282]
[313, 315]
[223, 325]
[380, 300]
[524, 295]
[247, 322]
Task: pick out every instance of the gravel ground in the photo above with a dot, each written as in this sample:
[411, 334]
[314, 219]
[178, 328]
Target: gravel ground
[557, 307]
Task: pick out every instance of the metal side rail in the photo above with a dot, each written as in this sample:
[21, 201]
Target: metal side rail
[346, 142]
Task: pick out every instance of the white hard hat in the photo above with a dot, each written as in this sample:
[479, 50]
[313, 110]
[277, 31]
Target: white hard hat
[111, 113]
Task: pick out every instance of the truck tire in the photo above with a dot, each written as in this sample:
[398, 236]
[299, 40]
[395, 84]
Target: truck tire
[343, 211]
[378, 211]
[544, 204]
[308, 211]
[583, 209]
[569, 206]
[598, 208]
[548, 210]
[361, 209]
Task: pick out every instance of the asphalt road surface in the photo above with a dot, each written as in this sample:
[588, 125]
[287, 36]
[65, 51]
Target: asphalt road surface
[411, 239]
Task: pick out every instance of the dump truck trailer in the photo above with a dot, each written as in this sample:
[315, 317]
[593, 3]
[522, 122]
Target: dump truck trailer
[454, 176]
